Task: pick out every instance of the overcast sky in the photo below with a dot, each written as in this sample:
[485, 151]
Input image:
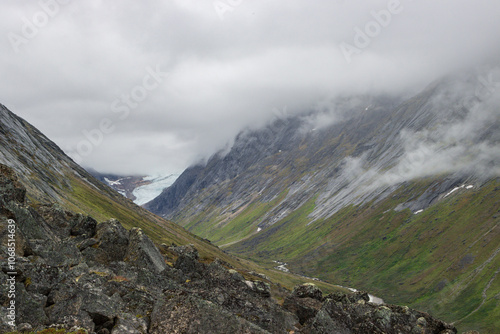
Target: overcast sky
[152, 86]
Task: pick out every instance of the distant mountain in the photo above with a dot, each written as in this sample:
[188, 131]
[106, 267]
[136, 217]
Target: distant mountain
[124, 185]
[399, 197]
[140, 189]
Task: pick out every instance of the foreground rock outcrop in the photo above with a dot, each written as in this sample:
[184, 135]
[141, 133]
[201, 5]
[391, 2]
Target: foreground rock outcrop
[74, 273]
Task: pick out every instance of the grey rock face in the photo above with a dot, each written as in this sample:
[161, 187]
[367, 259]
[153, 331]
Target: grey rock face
[143, 253]
[19, 141]
[308, 290]
[83, 225]
[305, 301]
[113, 239]
[10, 188]
[127, 323]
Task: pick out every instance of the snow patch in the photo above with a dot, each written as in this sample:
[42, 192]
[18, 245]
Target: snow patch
[259, 229]
[282, 266]
[453, 190]
[417, 212]
[457, 188]
[373, 299]
[113, 183]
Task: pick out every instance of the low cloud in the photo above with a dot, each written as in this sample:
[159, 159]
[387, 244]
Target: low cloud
[464, 137]
[457, 132]
[222, 74]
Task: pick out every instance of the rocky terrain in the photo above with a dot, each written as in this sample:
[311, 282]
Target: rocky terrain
[71, 272]
[50, 176]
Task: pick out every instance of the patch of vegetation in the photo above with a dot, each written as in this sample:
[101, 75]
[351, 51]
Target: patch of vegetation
[244, 223]
[438, 261]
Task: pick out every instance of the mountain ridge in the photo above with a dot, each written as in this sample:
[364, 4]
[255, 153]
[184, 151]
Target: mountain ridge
[297, 194]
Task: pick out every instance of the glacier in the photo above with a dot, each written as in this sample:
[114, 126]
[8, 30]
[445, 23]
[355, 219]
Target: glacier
[148, 192]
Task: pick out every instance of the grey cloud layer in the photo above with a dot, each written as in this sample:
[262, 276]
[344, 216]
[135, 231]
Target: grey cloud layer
[223, 74]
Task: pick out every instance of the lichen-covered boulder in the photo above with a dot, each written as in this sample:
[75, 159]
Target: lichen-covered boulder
[187, 261]
[262, 288]
[305, 301]
[83, 225]
[83, 298]
[10, 187]
[143, 253]
[191, 315]
[30, 307]
[113, 239]
[308, 290]
[57, 218]
[127, 323]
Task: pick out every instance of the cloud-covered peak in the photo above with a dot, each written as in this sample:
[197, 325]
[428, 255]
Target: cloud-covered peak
[74, 69]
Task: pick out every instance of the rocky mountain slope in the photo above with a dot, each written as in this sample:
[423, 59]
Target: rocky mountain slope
[50, 176]
[66, 271]
[399, 197]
